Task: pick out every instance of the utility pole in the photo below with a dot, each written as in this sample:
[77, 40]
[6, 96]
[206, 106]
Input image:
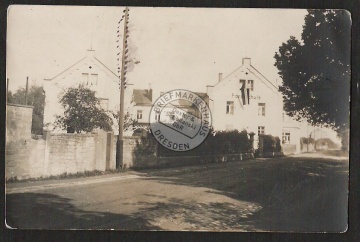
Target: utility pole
[27, 90]
[7, 89]
[120, 141]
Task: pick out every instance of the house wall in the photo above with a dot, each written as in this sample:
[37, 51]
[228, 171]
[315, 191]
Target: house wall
[107, 87]
[145, 113]
[292, 147]
[18, 122]
[246, 116]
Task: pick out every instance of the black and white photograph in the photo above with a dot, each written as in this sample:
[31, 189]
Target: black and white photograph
[177, 119]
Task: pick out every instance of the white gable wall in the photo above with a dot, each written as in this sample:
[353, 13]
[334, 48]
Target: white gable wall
[246, 116]
[145, 110]
[106, 87]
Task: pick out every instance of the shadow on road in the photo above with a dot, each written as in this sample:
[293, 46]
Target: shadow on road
[212, 216]
[48, 211]
[300, 194]
[295, 193]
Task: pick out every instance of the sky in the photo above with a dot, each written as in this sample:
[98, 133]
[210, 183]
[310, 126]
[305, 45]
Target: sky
[182, 48]
[177, 47]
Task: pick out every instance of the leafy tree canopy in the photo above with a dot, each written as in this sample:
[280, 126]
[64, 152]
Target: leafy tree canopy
[129, 122]
[316, 70]
[82, 111]
[36, 98]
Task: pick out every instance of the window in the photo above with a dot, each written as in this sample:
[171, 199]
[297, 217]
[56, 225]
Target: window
[89, 79]
[261, 109]
[261, 130]
[85, 78]
[93, 79]
[251, 85]
[285, 138]
[229, 107]
[139, 114]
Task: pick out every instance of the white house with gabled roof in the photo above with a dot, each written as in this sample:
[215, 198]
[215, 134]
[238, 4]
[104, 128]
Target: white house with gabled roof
[92, 73]
[246, 100]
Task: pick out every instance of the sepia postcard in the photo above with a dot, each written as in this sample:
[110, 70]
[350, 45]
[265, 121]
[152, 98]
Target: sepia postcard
[177, 119]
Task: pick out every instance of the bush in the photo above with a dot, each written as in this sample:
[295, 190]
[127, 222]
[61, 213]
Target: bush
[224, 142]
[271, 143]
[145, 146]
[306, 141]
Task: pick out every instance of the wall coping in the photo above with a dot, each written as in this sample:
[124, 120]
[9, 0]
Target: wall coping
[135, 137]
[19, 105]
[74, 134]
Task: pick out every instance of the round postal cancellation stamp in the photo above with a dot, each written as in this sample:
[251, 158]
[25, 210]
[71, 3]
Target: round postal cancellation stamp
[180, 120]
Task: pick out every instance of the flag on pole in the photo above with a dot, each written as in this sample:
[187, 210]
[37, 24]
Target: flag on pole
[243, 97]
[248, 95]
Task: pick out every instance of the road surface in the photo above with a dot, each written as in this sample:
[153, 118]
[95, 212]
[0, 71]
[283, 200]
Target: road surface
[303, 193]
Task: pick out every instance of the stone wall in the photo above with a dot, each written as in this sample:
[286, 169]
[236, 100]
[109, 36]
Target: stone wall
[18, 122]
[143, 153]
[56, 154]
[71, 153]
[308, 148]
[24, 158]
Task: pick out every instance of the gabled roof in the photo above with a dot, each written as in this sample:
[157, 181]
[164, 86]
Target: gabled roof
[203, 95]
[255, 72]
[142, 96]
[81, 62]
[185, 103]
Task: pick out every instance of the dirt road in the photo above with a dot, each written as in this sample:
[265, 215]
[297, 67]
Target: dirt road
[282, 194]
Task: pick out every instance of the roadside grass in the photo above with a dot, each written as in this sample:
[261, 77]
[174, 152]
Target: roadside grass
[337, 153]
[66, 175]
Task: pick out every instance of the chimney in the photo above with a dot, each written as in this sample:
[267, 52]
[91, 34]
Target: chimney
[220, 76]
[246, 61]
[149, 91]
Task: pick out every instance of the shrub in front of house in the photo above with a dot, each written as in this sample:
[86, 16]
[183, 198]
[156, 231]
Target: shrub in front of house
[224, 142]
[271, 143]
[306, 141]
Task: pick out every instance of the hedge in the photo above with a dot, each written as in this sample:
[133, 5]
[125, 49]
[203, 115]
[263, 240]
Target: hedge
[270, 143]
[223, 142]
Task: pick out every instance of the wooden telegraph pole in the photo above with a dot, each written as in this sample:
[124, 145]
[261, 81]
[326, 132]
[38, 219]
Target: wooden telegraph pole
[120, 141]
[7, 90]
[27, 90]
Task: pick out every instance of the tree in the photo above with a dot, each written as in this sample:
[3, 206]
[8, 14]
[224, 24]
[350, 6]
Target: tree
[36, 98]
[82, 111]
[316, 70]
[130, 124]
